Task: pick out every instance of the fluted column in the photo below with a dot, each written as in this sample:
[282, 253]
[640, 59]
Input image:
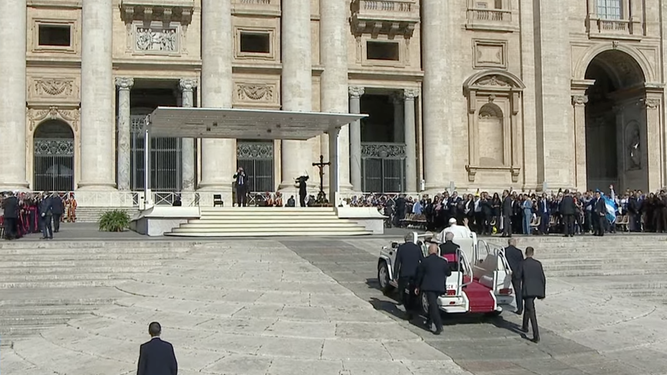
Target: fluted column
[409, 96]
[12, 102]
[579, 103]
[124, 152]
[297, 86]
[333, 54]
[438, 31]
[187, 87]
[355, 139]
[97, 96]
[218, 155]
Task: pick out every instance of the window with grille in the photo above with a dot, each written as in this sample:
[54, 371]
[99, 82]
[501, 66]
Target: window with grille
[609, 9]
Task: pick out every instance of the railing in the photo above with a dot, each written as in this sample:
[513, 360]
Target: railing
[494, 15]
[612, 27]
[405, 6]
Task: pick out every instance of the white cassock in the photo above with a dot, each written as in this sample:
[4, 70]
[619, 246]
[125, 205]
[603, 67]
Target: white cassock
[459, 231]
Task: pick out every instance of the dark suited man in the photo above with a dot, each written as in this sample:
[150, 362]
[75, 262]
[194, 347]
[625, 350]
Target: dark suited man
[408, 257]
[449, 247]
[515, 259]
[599, 215]
[57, 210]
[432, 280]
[10, 206]
[506, 209]
[534, 284]
[568, 209]
[46, 216]
[156, 357]
[241, 181]
[302, 190]
[544, 212]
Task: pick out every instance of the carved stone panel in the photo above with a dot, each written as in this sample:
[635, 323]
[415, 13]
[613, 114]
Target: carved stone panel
[53, 89]
[38, 115]
[490, 54]
[257, 94]
[156, 40]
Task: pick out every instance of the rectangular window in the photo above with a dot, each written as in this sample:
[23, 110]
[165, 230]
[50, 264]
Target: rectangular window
[609, 9]
[382, 51]
[255, 42]
[55, 35]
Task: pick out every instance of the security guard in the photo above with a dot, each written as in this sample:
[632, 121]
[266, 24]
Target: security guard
[432, 281]
[408, 257]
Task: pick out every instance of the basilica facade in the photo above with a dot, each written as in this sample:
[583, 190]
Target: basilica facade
[469, 94]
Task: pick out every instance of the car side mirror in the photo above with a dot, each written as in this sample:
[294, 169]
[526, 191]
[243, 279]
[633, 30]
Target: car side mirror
[394, 245]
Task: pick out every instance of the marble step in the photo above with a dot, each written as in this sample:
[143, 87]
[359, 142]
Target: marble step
[4, 271]
[266, 233]
[62, 283]
[12, 258]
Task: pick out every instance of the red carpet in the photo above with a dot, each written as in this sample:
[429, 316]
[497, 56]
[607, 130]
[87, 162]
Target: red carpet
[479, 297]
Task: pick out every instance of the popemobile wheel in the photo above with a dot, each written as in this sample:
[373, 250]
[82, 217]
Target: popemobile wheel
[383, 278]
[493, 314]
[423, 302]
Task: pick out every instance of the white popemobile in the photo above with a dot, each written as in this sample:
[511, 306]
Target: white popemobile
[480, 280]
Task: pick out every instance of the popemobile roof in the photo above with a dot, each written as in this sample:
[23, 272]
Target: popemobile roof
[180, 122]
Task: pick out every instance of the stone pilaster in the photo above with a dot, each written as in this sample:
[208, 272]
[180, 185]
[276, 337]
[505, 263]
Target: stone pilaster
[398, 101]
[654, 161]
[355, 139]
[97, 96]
[297, 86]
[409, 96]
[187, 87]
[218, 155]
[438, 33]
[12, 102]
[334, 28]
[579, 104]
[124, 122]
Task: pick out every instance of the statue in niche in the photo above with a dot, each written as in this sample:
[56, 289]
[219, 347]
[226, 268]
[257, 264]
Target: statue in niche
[634, 150]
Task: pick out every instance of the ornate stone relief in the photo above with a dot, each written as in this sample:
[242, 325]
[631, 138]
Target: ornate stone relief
[383, 150]
[652, 103]
[156, 40]
[497, 81]
[51, 89]
[254, 92]
[38, 115]
[255, 150]
[356, 91]
[490, 54]
[579, 100]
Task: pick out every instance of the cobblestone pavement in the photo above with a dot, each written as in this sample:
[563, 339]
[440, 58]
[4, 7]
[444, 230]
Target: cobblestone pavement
[235, 307]
[585, 329]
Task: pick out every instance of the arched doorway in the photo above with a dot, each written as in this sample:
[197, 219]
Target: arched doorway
[53, 168]
[616, 123]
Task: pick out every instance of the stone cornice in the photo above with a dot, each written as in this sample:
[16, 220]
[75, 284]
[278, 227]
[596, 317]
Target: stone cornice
[157, 10]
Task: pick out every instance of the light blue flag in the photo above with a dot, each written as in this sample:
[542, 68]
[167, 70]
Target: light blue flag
[612, 207]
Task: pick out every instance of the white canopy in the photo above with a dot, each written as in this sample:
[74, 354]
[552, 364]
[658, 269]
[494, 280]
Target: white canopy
[179, 122]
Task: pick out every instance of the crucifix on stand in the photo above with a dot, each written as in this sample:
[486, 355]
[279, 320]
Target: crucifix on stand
[321, 197]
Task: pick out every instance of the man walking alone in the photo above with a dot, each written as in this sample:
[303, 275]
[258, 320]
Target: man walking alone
[533, 286]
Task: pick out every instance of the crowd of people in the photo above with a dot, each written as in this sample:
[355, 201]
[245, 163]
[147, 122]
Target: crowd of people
[29, 213]
[512, 212]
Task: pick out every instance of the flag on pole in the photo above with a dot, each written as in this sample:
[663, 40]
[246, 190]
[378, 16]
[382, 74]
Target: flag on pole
[611, 208]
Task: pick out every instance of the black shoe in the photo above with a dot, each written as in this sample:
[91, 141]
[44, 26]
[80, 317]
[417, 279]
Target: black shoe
[535, 340]
[519, 312]
[524, 330]
[437, 331]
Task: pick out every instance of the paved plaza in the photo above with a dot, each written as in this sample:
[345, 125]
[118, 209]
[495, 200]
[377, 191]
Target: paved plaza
[297, 306]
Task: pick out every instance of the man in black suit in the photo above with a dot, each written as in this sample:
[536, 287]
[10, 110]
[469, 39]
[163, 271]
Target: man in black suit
[515, 259]
[599, 215]
[302, 190]
[534, 284]
[568, 209]
[157, 357]
[408, 257]
[46, 215]
[241, 182]
[507, 214]
[57, 209]
[432, 281]
[449, 247]
[10, 206]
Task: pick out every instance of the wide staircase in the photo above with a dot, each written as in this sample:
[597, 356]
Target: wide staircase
[44, 284]
[268, 221]
[93, 214]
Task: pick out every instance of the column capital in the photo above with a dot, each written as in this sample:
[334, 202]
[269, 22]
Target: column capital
[652, 103]
[187, 84]
[411, 94]
[124, 83]
[356, 91]
[579, 100]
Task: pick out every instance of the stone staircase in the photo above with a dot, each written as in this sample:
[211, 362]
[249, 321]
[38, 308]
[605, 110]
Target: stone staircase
[48, 283]
[264, 222]
[92, 214]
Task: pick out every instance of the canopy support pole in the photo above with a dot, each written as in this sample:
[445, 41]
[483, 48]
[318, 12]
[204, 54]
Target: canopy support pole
[334, 166]
[147, 163]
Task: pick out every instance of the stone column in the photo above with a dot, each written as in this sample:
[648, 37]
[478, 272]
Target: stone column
[218, 155]
[187, 87]
[438, 32]
[409, 96]
[12, 103]
[653, 144]
[334, 28]
[355, 139]
[124, 122]
[398, 101]
[297, 86]
[97, 96]
[579, 104]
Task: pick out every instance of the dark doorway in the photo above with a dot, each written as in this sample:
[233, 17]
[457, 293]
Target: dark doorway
[53, 157]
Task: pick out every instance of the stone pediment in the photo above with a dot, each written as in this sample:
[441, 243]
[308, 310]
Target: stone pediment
[391, 17]
[157, 10]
